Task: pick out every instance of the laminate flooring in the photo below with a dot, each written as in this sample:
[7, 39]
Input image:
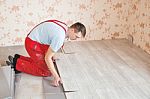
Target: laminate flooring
[107, 69]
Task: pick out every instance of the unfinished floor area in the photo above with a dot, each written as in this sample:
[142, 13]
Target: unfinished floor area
[105, 69]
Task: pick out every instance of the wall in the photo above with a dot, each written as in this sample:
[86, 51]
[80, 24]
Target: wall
[18, 17]
[138, 23]
[104, 19]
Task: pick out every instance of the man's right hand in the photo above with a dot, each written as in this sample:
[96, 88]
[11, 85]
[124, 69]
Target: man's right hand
[56, 81]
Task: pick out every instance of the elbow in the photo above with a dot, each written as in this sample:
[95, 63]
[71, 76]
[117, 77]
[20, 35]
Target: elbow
[48, 58]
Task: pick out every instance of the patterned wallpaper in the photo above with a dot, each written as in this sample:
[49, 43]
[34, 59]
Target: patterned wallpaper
[104, 19]
[138, 23]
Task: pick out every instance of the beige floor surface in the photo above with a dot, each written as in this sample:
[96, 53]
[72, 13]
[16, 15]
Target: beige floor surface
[107, 69]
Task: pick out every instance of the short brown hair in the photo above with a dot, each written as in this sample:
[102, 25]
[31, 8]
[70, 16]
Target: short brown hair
[79, 27]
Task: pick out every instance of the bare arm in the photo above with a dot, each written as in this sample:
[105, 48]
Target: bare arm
[49, 62]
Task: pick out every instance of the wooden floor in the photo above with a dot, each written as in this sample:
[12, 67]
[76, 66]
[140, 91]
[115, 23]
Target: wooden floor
[27, 86]
[108, 69]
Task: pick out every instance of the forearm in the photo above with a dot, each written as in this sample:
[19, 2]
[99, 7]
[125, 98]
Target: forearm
[51, 67]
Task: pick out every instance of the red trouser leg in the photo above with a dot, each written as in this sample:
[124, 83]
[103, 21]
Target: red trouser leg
[35, 64]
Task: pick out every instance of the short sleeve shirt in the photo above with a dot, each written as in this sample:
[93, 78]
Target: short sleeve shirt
[49, 33]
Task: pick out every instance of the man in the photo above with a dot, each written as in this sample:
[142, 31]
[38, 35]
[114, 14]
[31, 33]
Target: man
[42, 43]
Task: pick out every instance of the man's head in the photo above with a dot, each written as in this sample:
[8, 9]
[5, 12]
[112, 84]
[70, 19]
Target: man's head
[76, 30]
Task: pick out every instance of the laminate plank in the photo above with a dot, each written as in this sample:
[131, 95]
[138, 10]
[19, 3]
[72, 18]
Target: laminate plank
[128, 92]
[66, 73]
[83, 94]
[131, 58]
[39, 96]
[123, 67]
[5, 83]
[54, 96]
[143, 56]
[133, 50]
[48, 88]
[29, 86]
[85, 46]
[117, 43]
[141, 68]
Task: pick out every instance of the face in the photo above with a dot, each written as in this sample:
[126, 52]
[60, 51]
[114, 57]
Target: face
[73, 35]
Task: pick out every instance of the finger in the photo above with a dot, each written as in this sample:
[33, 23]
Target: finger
[57, 83]
[61, 81]
[54, 84]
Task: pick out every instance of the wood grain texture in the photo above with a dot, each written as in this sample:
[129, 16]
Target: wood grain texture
[29, 87]
[5, 79]
[107, 69]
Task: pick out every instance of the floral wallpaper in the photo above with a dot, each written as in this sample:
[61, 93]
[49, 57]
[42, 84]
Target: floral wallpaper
[138, 23]
[104, 19]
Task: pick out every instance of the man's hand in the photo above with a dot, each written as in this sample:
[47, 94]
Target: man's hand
[56, 81]
[50, 64]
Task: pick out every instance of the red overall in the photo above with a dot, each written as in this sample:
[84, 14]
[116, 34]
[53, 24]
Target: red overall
[35, 64]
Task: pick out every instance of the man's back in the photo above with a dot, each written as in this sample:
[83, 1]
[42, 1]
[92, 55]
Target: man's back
[49, 33]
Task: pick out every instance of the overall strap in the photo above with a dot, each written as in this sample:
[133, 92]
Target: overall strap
[57, 22]
[54, 21]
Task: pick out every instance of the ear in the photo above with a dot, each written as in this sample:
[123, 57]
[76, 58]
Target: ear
[72, 29]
